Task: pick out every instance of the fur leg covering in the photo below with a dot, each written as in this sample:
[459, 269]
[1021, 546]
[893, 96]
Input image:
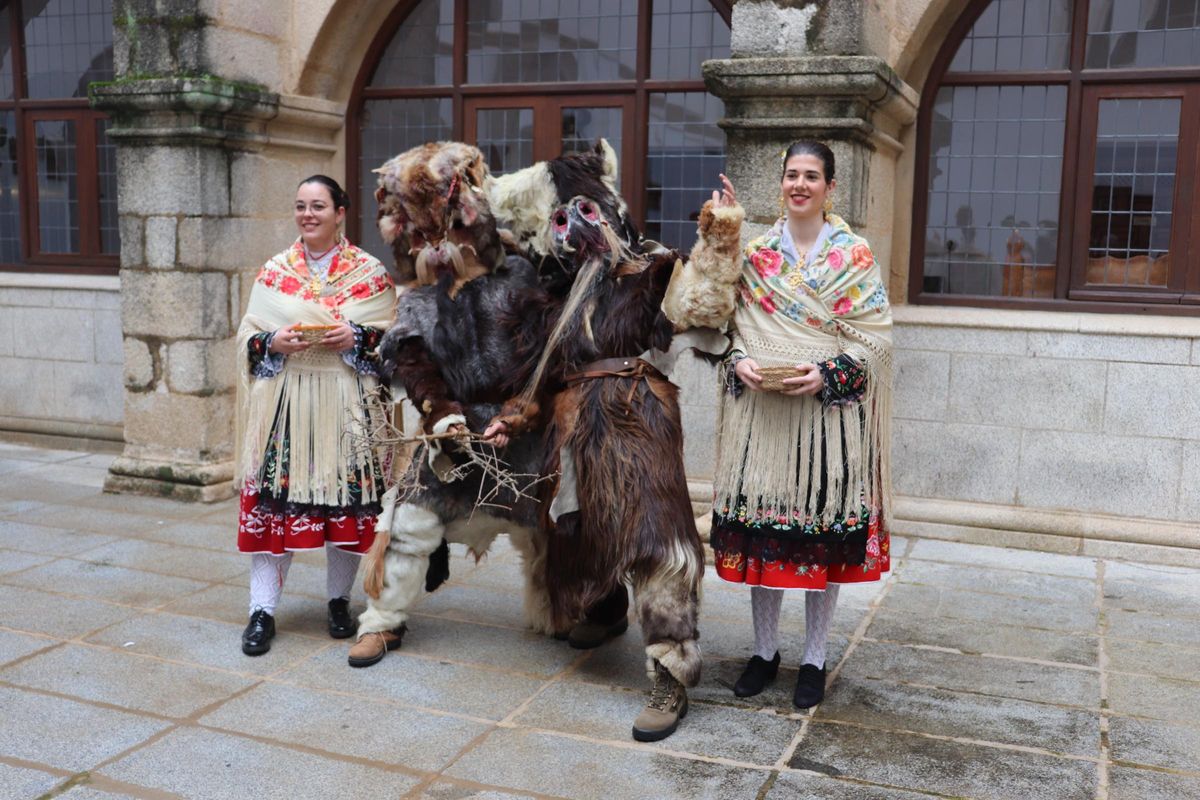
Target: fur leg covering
[531, 544]
[668, 606]
[415, 533]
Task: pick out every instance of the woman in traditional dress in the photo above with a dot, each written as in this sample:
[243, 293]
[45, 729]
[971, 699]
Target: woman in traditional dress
[306, 399]
[802, 484]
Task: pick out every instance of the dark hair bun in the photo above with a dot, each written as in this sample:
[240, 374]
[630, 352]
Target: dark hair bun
[808, 147]
[340, 198]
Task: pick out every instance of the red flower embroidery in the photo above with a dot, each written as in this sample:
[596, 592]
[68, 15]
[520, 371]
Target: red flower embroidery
[860, 254]
[767, 262]
[289, 285]
[360, 290]
[767, 303]
[842, 306]
[835, 259]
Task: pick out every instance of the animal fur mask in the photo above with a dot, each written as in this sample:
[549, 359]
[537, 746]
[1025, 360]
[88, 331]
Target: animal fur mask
[435, 215]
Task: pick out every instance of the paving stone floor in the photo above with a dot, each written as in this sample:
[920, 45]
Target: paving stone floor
[972, 672]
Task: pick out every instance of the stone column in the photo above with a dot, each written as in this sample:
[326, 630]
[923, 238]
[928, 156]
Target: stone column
[206, 171]
[807, 70]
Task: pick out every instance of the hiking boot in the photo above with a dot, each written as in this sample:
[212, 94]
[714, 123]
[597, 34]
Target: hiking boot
[588, 634]
[256, 638]
[372, 647]
[810, 686]
[668, 704]
[758, 673]
[341, 624]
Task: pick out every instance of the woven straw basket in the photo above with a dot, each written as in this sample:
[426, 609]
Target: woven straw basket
[312, 334]
[772, 377]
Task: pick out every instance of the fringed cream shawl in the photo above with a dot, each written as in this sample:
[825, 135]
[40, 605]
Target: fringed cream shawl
[770, 449]
[322, 401]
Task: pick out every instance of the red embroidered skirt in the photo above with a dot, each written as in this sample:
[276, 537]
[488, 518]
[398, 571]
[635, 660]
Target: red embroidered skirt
[264, 530]
[758, 559]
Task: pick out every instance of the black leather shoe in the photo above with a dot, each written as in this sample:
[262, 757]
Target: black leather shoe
[756, 676]
[810, 686]
[341, 624]
[256, 639]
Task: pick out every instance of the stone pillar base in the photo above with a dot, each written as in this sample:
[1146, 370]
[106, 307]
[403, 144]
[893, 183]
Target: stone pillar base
[205, 483]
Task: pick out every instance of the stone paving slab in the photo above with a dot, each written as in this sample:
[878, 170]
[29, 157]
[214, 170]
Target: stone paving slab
[995, 677]
[447, 790]
[124, 679]
[15, 561]
[27, 538]
[64, 733]
[168, 559]
[18, 645]
[567, 767]
[738, 734]
[19, 782]
[926, 601]
[351, 726]
[1164, 660]
[963, 716]
[1003, 558]
[1147, 627]
[801, 786]
[91, 793]
[205, 643]
[234, 768]
[1154, 743]
[1137, 784]
[420, 682]
[1179, 598]
[1160, 698]
[994, 638]
[950, 768]
[56, 615]
[194, 532]
[502, 648]
[1046, 588]
[92, 581]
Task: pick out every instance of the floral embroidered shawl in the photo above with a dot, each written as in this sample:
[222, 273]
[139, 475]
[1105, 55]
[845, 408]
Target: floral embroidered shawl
[318, 396]
[791, 314]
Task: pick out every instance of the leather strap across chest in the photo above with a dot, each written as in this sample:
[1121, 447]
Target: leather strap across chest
[632, 367]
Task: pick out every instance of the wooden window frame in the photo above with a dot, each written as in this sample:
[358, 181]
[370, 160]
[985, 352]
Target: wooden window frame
[635, 96]
[27, 112]
[1070, 258]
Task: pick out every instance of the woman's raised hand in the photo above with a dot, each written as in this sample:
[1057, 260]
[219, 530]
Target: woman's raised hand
[496, 433]
[287, 340]
[725, 197]
[747, 371]
[808, 381]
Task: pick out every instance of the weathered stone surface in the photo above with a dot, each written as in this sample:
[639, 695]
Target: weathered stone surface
[156, 179]
[197, 425]
[902, 760]
[1126, 475]
[922, 385]
[1101, 347]
[1163, 660]
[43, 538]
[54, 615]
[244, 57]
[23, 782]
[961, 340]
[1160, 628]
[880, 704]
[160, 242]
[806, 786]
[232, 244]
[201, 366]
[503, 758]
[124, 679]
[38, 333]
[993, 638]
[169, 559]
[1051, 588]
[88, 392]
[319, 720]
[105, 582]
[766, 29]
[109, 335]
[233, 767]
[963, 605]
[176, 304]
[1152, 400]
[18, 645]
[1026, 393]
[1157, 744]
[1138, 784]
[139, 363]
[133, 240]
[1004, 558]
[956, 462]
[1167, 699]
[62, 733]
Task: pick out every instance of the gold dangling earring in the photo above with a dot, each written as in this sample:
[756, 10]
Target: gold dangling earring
[782, 206]
[828, 207]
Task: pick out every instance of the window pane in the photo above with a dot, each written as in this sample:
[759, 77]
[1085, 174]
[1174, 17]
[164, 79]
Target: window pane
[994, 172]
[686, 154]
[505, 136]
[10, 193]
[58, 199]
[68, 44]
[6, 65]
[1133, 192]
[106, 185]
[1143, 33]
[683, 34]
[1025, 35]
[388, 128]
[581, 127]
[530, 41]
[422, 51]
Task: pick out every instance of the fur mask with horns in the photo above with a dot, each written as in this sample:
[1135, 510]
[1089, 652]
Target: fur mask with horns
[435, 215]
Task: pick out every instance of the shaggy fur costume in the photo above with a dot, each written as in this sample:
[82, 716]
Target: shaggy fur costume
[617, 420]
[449, 349]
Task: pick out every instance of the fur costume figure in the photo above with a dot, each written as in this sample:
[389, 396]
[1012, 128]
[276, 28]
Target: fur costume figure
[619, 508]
[449, 349]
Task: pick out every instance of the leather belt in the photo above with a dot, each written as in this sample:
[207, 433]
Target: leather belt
[632, 367]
